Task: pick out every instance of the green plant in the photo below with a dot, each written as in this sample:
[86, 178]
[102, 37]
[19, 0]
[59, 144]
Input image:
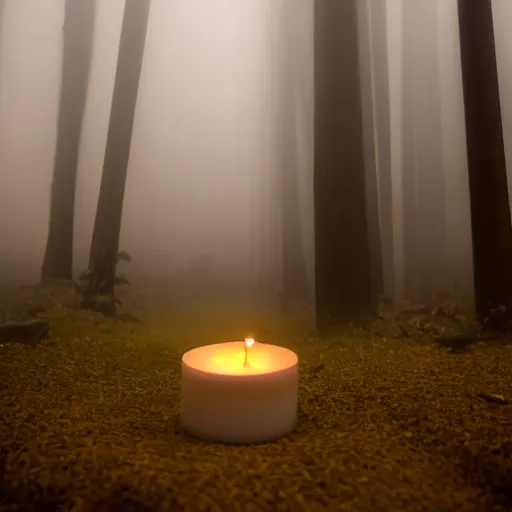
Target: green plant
[98, 284]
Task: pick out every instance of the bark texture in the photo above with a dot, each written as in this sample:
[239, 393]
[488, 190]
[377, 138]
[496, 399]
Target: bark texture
[489, 196]
[342, 267]
[78, 32]
[107, 225]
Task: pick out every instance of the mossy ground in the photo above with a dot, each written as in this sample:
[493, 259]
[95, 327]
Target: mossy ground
[89, 421]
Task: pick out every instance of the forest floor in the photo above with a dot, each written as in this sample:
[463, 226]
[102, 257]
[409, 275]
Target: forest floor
[89, 420]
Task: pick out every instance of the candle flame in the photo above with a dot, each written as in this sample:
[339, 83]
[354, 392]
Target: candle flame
[249, 342]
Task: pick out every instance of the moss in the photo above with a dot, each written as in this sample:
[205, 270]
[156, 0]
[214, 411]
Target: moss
[90, 420]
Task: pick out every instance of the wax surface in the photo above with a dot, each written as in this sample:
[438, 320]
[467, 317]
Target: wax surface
[223, 400]
[228, 358]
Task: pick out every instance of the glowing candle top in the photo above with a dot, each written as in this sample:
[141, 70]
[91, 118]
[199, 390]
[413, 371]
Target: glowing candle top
[230, 358]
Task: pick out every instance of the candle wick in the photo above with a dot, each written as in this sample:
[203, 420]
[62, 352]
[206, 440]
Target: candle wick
[246, 359]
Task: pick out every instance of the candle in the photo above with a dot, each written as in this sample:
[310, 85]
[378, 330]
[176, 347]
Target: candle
[239, 392]
[249, 342]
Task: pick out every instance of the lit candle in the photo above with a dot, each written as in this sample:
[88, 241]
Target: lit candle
[249, 342]
[239, 392]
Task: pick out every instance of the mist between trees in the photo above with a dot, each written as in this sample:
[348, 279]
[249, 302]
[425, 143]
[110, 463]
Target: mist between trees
[277, 150]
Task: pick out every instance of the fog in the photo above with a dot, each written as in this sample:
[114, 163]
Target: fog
[225, 104]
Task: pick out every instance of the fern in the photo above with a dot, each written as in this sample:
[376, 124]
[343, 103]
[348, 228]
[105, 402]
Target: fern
[97, 284]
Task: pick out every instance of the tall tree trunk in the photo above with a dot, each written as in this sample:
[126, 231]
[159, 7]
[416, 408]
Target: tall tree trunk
[379, 40]
[342, 266]
[375, 91]
[2, 6]
[422, 152]
[409, 192]
[107, 225]
[294, 280]
[367, 104]
[78, 34]
[490, 212]
[2, 9]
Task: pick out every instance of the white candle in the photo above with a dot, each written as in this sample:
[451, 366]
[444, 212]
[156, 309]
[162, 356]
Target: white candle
[239, 392]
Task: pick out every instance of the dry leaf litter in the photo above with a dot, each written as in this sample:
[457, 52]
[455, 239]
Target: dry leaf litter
[89, 421]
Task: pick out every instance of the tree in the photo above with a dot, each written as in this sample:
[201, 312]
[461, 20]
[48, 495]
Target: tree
[342, 267]
[294, 279]
[2, 6]
[78, 34]
[423, 177]
[377, 133]
[107, 226]
[490, 213]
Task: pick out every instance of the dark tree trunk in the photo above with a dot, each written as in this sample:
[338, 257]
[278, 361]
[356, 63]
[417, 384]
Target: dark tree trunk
[107, 225]
[489, 200]
[294, 280]
[342, 266]
[78, 34]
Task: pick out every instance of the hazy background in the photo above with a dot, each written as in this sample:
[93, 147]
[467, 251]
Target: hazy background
[203, 192]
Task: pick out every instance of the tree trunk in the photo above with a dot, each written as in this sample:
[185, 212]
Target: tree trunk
[2, 9]
[422, 155]
[490, 212]
[294, 280]
[78, 34]
[370, 139]
[375, 91]
[2, 6]
[342, 266]
[379, 36]
[409, 119]
[107, 226]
